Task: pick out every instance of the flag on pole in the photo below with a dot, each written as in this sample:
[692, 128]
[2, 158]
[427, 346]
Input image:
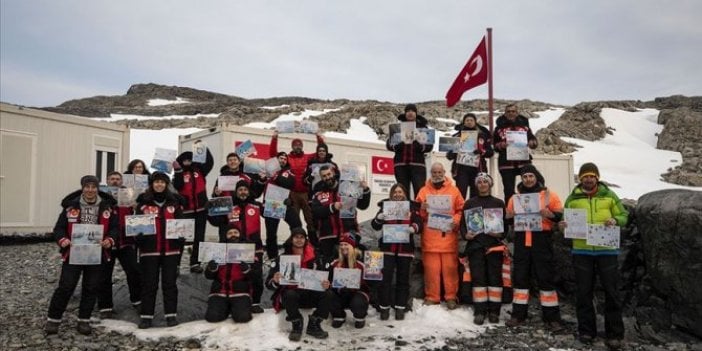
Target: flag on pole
[473, 74]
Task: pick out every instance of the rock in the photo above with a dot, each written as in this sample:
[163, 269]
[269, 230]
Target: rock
[669, 222]
[683, 133]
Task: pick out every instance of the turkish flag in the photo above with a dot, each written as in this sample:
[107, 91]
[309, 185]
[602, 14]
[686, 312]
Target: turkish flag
[262, 150]
[474, 73]
[383, 165]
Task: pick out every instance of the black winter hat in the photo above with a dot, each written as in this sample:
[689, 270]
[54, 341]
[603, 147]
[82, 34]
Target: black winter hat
[588, 169]
[531, 169]
[159, 176]
[298, 231]
[322, 146]
[243, 183]
[89, 179]
[411, 107]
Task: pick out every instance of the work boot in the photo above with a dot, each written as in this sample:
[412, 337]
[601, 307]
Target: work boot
[479, 319]
[493, 317]
[51, 327]
[359, 323]
[256, 309]
[296, 332]
[196, 269]
[384, 314]
[430, 302]
[171, 321]
[514, 322]
[555, 326]
[314, 328]
[336, 324]
[84, 328]
[106, 314]
[451, 304]
[613, 344]
[145, 323]
[399, 314]
[585, 339]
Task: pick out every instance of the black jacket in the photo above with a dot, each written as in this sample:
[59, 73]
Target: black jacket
[410, 154]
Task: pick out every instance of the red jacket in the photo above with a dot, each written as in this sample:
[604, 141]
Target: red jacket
[158, 245]
[297, 162]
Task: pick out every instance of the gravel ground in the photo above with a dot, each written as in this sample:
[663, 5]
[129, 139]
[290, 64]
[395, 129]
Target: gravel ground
[30, 274]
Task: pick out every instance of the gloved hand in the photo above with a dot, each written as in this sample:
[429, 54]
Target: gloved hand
[176, 165]
[212, 266]
[244, 266]
[139, 238]
[287, 202]
[476, 152]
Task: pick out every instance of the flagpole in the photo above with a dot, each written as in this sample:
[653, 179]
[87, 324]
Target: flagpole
[490, 98]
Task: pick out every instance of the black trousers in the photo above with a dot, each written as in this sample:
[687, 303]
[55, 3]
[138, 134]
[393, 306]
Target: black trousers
[539, 259]
[220, 307]
[327, 248]
[294, 299]
[465, 179]
[200, 226]
[353, 300]
[127, 257]
[606, 267]
[292, 218]
[508, 181]
[399, 268]
[70, 274]
[415, 176]
[257, 278]
[151, 267]
[486, 271]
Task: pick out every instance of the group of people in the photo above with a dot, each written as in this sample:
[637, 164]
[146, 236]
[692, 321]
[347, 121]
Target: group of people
[331, 241]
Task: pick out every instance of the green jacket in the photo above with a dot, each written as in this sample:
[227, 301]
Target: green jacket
[600, 207]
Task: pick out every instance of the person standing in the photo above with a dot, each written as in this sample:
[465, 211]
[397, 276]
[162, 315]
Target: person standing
[322, 157]
[440, 247]
[159, 256]
[285, 179]
[298, 160]
[397, 257]
[85, 206]
[533, 252]
[511, 121]
[190, 179]
[465, 174]
[354, 299]
[293, 298]
[603, 207]
[485, 252]
[409, 159]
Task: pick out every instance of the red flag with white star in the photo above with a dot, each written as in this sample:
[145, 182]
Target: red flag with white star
[473, 74]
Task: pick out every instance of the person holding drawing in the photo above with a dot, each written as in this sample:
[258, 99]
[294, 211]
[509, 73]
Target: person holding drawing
[603, 207]
[464, 174]
[533, 249]
[511, 121]
[397, 255]
[85, 206]
[355, 299]
[293, 298]
[283, 178]
[410, 166]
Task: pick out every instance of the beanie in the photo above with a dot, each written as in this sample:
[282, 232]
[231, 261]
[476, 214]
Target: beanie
[411, 107]
[483, 176]
[159, 176]
[588, 169]
[296, 141]
[322, 146]
[298, 231]
[243, 183]
[347, 238]
[531, 169]
[89, 179]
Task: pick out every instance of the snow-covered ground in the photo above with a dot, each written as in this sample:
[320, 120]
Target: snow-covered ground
[164, 102]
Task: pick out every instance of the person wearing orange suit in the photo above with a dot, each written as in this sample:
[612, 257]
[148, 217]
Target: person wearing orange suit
[440, 246]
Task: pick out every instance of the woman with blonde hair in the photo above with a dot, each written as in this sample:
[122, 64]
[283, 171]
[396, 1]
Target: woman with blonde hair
[355, 299]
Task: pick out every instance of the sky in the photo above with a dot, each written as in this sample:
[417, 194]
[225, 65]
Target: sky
[561, 52]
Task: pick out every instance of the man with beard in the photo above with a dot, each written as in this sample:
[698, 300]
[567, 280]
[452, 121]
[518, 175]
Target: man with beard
[603, 207]
[326, 208]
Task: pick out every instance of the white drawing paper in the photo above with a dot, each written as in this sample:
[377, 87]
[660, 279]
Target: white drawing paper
[237, 253]
[311, 279]
[576, 220]
[348, 207]
[528, 222]
[180, 228]
[144, 224]
[373, 262]
[290, 269]
[285, 126]
[526, 203]
[442, 222]
[86, 234]
[493, 219]
[439, 203]
[396, 234]
[211, 251]
[517, 147]
[602, 235]
[349, 278]
[407, 131]
[254, 165]
[88, 254]
[199, 152]
[396, 210]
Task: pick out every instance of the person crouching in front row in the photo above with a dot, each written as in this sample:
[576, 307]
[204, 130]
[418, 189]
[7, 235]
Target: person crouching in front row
[354, 299]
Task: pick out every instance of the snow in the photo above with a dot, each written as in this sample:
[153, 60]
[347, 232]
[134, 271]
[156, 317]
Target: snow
[164, 102]
[359, 131]
[274, 107]
[545, 118]
[446, 120]
[295, 116]
[118, 117]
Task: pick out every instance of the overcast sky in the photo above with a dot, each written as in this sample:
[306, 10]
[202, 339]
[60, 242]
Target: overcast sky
[400, 51]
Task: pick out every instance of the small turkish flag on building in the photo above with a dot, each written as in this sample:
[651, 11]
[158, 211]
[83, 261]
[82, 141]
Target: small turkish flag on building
[383, 165]
[473, 74]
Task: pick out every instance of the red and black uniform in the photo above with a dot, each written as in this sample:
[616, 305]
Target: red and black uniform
[316, 163]
[289, 296]
[75, 211]
[255, 187]
[465, 174]
[509, 170]
[158, 254]
[485, 255]
[354, 299]
[397, 258]
[409, 159]
[283, 178]
[230, 293]
[191, 183]
[329, 225]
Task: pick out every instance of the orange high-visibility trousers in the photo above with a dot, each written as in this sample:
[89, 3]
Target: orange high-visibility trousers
[437, 265]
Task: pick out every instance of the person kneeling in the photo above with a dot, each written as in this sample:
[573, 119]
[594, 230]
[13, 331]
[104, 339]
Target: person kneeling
[354, 299]
[231, 287]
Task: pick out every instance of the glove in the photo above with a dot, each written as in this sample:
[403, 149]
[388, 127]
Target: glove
[380, 217]
[176, 165]
[139, 238]
[476, 152]
[287, 202]
[244, 266]
[212, 266]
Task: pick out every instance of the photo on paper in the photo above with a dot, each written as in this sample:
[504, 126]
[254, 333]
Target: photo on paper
[274, 192]
[86, 234]
[373, 262]
[468, 159]
[425, 136]
[602, 235]
[211, 251]
[348, 207]
[493, 220]
[442, 222]
[141, 183]
[439, 203]
[290, 269]
[309, 127]
[407, 131]
[469, 141]
[254, 165]
[89, 254]
[162, 166]
[349, 278]
[353, 172]
[350, 189]
[576, 220]
[128, 180]
[311, 279]
[396, 210]
[274, 209]
[199, 152]
[517, 146]
[126, 197]
[163, 159]
[314, 171]
[449, 144]
[394, 134]
[219, 206]
[245, 149]
[475, 221]
[227, 183]
[238, 253]
[272, 166]
[396, 234]
[180, 228]
[528, 222]
[144, 224]
[285, 126]
[112, 190]
[526, 203]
